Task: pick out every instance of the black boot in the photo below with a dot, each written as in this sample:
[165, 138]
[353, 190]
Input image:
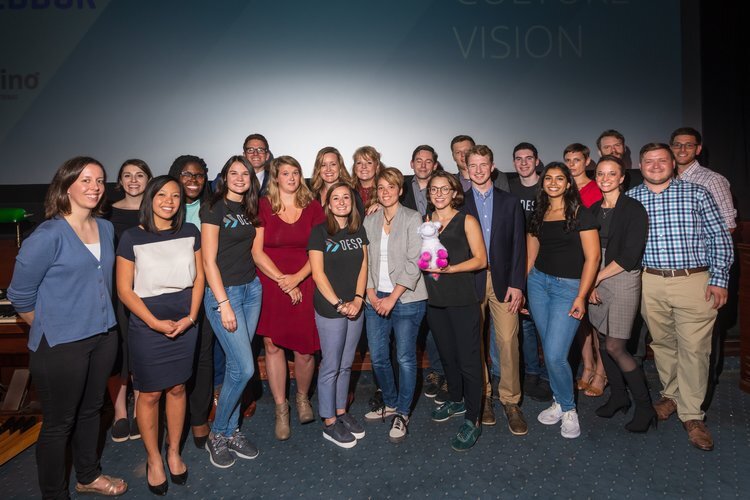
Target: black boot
[644, 416]
[618, 395]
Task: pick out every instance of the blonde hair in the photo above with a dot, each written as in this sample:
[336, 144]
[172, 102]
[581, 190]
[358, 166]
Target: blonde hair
[302, 197]
[316, 181]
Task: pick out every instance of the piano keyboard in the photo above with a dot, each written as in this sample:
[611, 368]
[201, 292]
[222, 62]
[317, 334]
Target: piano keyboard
[7, 313]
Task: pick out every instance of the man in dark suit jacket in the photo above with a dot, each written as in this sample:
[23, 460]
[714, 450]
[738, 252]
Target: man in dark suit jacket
[414, 194]
[502, 287]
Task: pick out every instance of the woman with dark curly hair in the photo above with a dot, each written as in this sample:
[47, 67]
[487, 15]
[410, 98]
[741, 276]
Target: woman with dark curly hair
[563, 258]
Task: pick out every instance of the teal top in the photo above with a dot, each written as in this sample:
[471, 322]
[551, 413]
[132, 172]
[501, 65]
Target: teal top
[192, 213]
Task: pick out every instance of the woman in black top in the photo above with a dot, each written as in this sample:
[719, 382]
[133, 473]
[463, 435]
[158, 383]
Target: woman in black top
[131, 180]
[453, 307]
[615, 299]
[563, 256]
[338, 257]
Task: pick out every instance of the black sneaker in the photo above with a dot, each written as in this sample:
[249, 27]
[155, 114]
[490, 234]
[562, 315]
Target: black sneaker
[442, 395]
[376, 401]
[432, 383]
[537, 388]
[241, 447]
[351, 424]
[135, 433]
[120, 430]
[218, 451]
[338, 435]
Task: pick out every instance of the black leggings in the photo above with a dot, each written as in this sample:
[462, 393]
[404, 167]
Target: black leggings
[456, 331]
[70, 380]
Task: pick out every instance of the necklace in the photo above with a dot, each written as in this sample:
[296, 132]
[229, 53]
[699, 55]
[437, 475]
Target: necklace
[387, 220]
[605, 212]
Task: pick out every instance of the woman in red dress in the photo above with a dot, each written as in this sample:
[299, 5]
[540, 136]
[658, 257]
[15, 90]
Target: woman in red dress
[287, 215]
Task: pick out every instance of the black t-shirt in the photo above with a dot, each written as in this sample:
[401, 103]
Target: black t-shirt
[527, 195]
[236, 235]
[342, 261]
[561, 253]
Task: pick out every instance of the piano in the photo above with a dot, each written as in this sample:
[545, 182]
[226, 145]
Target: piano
[8, 315]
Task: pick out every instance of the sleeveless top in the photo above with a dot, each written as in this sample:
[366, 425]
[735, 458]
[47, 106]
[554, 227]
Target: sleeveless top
[455, 289]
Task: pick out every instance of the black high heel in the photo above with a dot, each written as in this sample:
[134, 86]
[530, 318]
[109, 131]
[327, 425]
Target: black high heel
[179, 478]
[159, 489]
[642, 425]
[611, 407]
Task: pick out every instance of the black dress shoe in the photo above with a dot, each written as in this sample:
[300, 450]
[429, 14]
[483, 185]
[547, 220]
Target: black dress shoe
[179, 478]
[159, 489]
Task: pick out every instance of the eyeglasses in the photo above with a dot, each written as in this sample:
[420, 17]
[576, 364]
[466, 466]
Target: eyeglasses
[688, 146]
[441, 190]
[251, 150]
[191, 176]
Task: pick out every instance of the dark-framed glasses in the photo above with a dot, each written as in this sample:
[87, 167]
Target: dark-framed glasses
[252, 150]
[191, 176]
[441, 190]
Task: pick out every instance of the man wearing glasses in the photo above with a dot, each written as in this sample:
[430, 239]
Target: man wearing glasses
[257, 153]
[686, 146]
[502, 286]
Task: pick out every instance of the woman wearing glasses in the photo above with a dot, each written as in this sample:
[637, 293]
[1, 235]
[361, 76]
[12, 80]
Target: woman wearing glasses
[190, 171]
[453, 308]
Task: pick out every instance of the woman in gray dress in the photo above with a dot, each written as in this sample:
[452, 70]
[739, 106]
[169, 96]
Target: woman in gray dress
[617, 292]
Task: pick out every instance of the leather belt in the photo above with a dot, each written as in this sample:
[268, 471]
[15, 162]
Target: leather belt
[674, 273]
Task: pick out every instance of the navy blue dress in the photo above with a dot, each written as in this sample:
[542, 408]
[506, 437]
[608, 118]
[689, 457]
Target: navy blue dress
[164, 275]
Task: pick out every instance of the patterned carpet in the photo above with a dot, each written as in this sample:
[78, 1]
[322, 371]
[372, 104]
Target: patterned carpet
[605, 462]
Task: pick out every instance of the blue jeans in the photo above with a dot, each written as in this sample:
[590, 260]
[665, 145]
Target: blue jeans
[404, 320]
[240, 365]
[530, 348]
[550, 299]
[494, 353]
[338, 344]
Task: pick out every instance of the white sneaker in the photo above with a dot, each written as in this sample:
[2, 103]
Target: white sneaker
[551, 415]
[380, 413]
[570, 428]
[398, 428]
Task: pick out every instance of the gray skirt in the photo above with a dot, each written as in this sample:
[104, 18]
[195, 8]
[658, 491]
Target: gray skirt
[620, 296]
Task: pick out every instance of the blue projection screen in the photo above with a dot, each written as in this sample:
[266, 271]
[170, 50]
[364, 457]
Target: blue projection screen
[156, 79]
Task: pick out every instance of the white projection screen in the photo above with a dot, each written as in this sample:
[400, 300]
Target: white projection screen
[155, 79]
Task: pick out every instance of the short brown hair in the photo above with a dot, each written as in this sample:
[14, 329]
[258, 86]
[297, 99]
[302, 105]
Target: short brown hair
[481, 150]
[577, 147]
[392, 176]
[655, 146]
[57, 202]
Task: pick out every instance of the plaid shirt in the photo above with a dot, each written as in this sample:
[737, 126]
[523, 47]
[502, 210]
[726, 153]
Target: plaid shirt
[717, 185]
[685, 230]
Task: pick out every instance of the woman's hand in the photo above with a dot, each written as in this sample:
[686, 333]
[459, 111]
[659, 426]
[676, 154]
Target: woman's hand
[594, 297]
[373, 208]
[167, 327]
[228, 318]
[385, 306]
[439, 270]
[287, 282]
[296, 295]
[578, 309]
[352, 308]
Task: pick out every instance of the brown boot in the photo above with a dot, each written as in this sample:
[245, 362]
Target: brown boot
[304, 409]
[664, 408]
[698, 435]
[282, 421]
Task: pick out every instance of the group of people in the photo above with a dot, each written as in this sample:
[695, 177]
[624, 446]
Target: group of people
[202, 265]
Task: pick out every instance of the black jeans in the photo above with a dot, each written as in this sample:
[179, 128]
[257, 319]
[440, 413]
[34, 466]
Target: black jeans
[456, 331]
[70, 380]
[200, 386]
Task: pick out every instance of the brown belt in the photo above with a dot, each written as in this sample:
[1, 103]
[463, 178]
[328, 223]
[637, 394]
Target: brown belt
[674, 273]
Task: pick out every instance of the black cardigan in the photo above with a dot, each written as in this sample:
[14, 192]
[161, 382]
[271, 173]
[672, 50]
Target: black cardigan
[628, 231]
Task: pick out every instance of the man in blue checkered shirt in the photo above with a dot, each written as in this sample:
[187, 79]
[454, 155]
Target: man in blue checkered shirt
[685, 275]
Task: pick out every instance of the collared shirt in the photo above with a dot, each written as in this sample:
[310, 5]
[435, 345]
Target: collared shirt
[465, 183]
[685, 230]
[420, 196]
[484, 210]
[717, 185]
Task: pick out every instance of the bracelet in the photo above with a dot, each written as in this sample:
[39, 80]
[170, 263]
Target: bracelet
[338, 304]
[192, 321]
[360, 296]
[218, 306]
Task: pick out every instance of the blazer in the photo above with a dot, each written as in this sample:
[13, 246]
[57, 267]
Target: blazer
[404, 245]
[628, 232]
[507, 243]
[407, 194]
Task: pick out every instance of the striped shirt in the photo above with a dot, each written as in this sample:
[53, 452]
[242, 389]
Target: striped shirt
[685, 230]
[717, 185]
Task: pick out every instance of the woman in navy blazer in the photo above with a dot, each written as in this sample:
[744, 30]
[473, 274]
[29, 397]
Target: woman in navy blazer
[62, 287]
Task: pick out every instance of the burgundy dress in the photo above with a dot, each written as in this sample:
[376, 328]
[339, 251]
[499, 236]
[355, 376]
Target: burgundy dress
[290, 326]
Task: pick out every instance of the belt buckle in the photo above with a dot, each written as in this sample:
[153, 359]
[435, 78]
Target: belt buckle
[667, 273]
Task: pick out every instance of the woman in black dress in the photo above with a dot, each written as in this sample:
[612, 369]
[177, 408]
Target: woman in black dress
[453, 308]
[132, 179]
[160, 280]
